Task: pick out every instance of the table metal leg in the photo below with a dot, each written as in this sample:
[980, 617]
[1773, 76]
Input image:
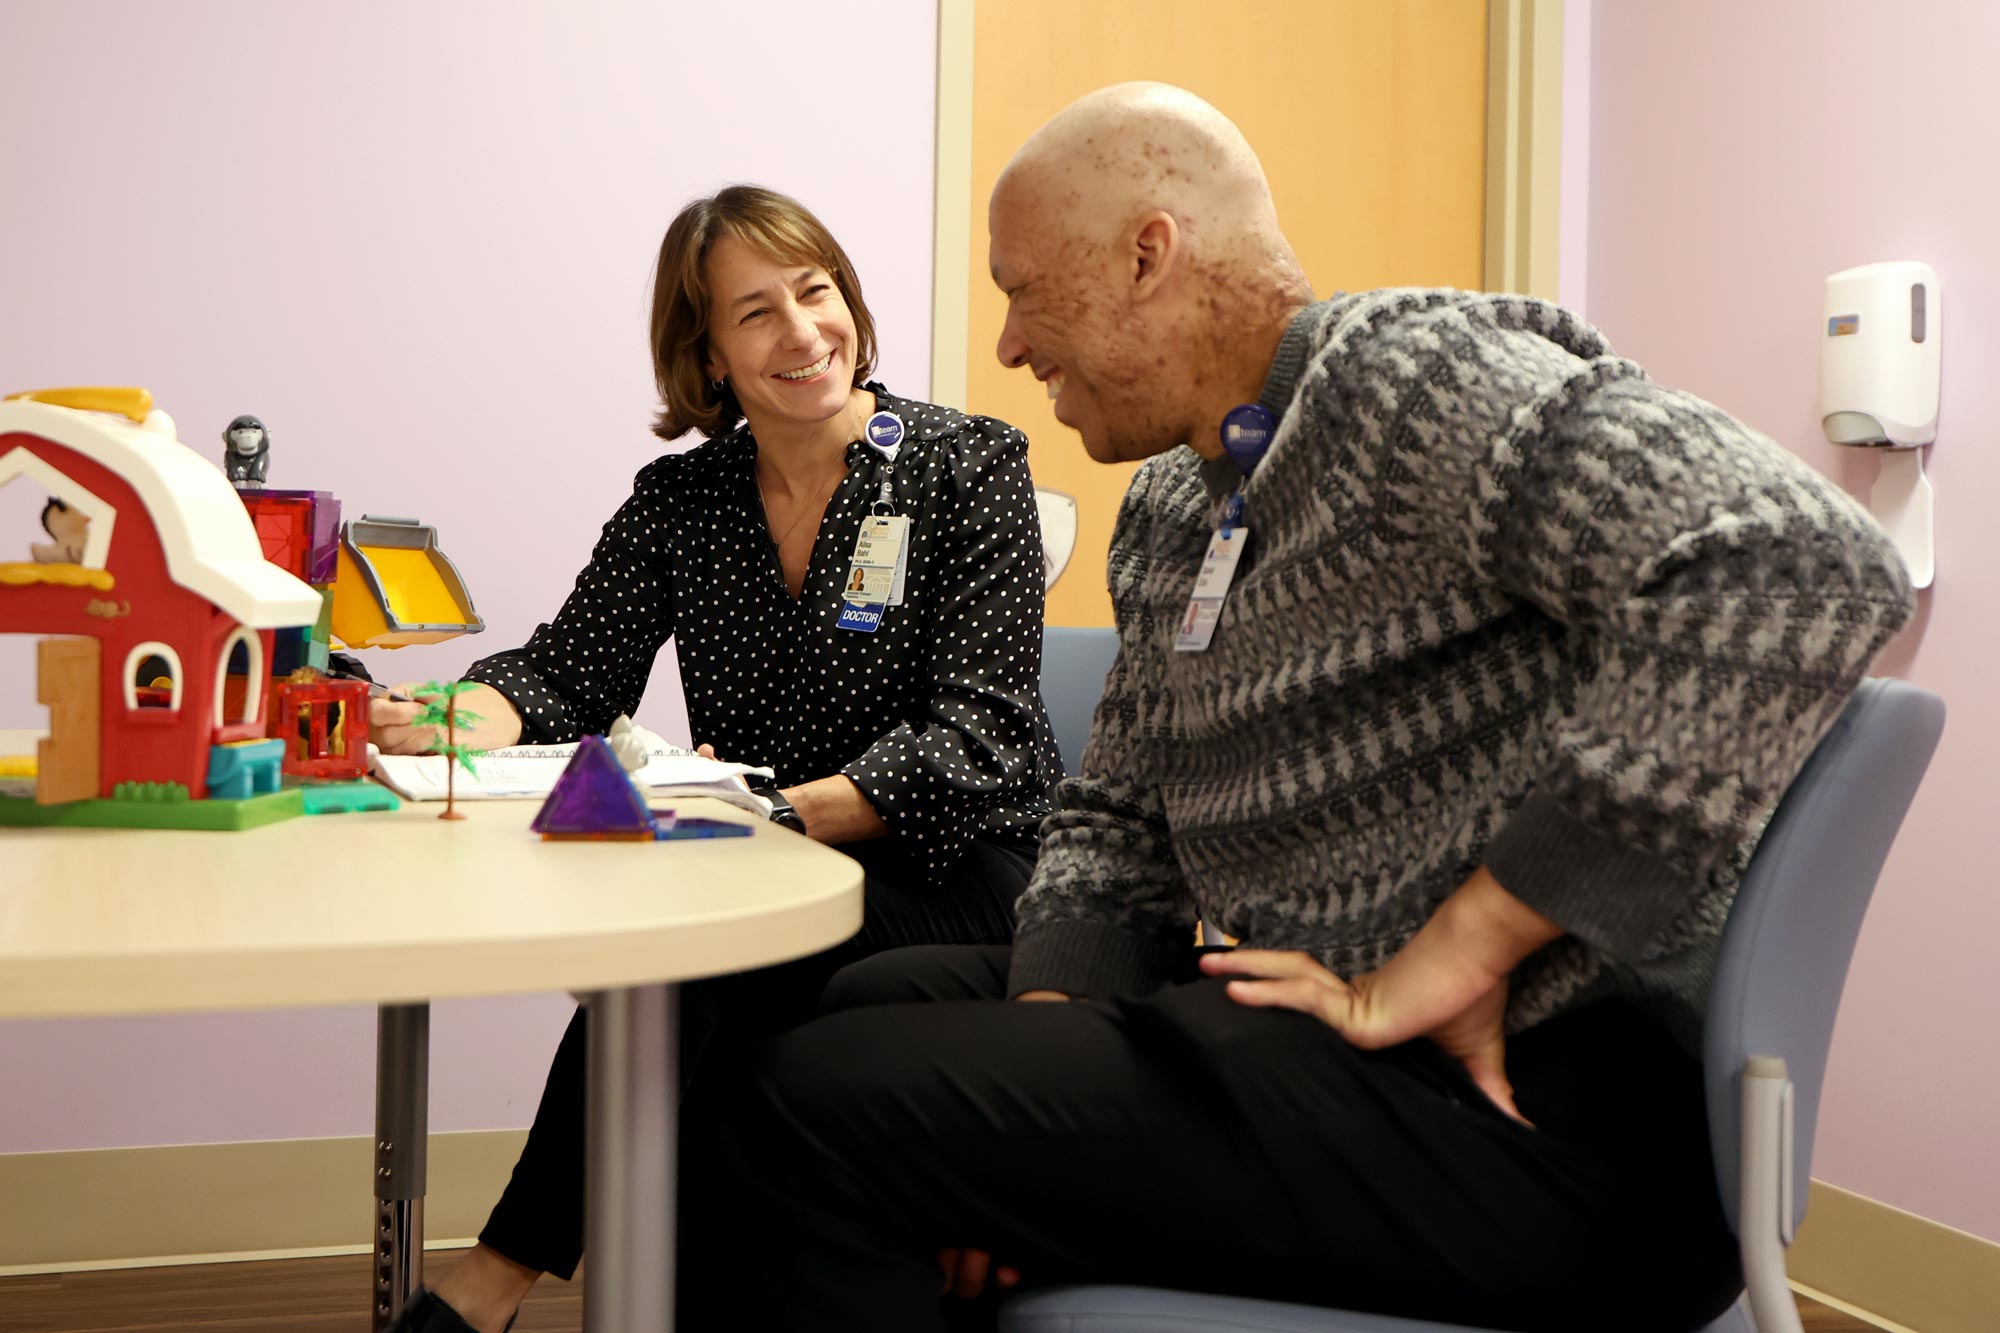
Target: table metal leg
[402, 1110]
[634, 1107]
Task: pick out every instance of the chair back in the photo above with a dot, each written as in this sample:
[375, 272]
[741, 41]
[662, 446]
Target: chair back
[1074, 664]
[1791, 932]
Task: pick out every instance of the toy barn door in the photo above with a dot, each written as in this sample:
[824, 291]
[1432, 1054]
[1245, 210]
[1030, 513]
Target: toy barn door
[66, 680]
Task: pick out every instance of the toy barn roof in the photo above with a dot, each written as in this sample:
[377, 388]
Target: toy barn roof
[211, 544]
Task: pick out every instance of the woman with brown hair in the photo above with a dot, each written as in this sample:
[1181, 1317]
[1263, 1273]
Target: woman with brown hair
[853, 582]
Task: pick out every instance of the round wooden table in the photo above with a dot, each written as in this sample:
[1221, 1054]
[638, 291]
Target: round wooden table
[399, 909]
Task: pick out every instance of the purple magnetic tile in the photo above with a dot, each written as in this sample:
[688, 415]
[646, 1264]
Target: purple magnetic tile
[593, 795]
[323, 560]
[670, 828]
[325, 538]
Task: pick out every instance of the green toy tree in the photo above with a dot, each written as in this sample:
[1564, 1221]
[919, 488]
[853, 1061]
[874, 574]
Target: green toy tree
[441, 710]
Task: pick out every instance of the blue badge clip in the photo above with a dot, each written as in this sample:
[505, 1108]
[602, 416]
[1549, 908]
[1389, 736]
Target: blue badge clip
[885, 431]
[1246, 434]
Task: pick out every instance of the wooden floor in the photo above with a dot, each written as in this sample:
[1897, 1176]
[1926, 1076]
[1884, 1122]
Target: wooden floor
[279, 1296]
[316, 1296]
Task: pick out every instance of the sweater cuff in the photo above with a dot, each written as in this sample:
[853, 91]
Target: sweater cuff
[1088, 959]
[1604, 891]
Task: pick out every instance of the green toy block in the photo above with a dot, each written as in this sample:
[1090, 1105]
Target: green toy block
[334, 798]
[323, 627]
[155, 810]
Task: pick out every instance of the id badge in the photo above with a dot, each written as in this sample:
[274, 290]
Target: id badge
[881, 551]
[1211, 587]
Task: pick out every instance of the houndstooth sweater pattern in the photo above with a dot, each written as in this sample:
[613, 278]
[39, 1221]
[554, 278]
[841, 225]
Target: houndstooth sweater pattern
[1506, 601]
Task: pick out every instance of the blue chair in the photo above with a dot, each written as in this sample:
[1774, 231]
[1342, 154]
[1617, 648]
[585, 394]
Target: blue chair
[1783, 962]
[1074, 664]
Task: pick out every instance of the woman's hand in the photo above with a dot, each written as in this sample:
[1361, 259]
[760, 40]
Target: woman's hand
[832, 809]
[965, 1273]
[390, 730]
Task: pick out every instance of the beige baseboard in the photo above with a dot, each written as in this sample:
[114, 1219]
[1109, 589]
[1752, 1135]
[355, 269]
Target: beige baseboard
[1868, 1317]
[289, 1198]
[207, 1203]
[1882, 1261]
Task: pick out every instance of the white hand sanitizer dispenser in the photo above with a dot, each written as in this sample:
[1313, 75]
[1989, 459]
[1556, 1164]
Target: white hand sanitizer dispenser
[1879, 372]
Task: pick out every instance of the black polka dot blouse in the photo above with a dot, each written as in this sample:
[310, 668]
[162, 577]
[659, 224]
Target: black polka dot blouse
[936, 716]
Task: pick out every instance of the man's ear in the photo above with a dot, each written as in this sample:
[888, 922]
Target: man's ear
[1153, 251]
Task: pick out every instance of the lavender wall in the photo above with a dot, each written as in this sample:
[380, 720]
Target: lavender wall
[416, 240]
[1739, 154]
[1573, 244]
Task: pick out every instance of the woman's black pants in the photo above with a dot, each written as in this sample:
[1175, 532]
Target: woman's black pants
[539, 1220]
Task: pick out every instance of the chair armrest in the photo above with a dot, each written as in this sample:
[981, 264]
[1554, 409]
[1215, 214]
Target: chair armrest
[1764, 1225]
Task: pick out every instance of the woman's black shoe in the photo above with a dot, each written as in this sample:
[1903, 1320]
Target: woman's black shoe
[428, 1314]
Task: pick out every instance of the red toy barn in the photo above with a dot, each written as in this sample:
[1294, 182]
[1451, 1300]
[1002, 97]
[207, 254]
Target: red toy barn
[172, 598]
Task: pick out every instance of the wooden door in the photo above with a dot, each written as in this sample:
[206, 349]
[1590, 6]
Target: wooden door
[66, 679]
[1370, 119]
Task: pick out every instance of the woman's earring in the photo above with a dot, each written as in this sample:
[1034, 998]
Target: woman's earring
[717, 386]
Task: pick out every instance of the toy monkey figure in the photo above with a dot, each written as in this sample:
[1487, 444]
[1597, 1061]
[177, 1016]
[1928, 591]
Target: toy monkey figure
[248, 457]
[68, 527]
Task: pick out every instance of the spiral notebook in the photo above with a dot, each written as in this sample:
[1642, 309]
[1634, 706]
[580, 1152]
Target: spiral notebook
[528, 772]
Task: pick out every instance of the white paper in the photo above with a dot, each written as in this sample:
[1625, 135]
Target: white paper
[515, 772]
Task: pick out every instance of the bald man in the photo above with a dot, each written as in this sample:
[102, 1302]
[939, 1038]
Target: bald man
[1518, 652]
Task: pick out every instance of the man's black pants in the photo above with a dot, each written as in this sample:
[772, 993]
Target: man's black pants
[539, 1219]
[1181, 1140]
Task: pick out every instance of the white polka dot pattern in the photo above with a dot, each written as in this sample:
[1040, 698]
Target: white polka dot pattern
[936, 716]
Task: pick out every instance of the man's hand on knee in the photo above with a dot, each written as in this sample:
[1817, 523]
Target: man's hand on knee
[1386, 1008]
[1449, 983]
